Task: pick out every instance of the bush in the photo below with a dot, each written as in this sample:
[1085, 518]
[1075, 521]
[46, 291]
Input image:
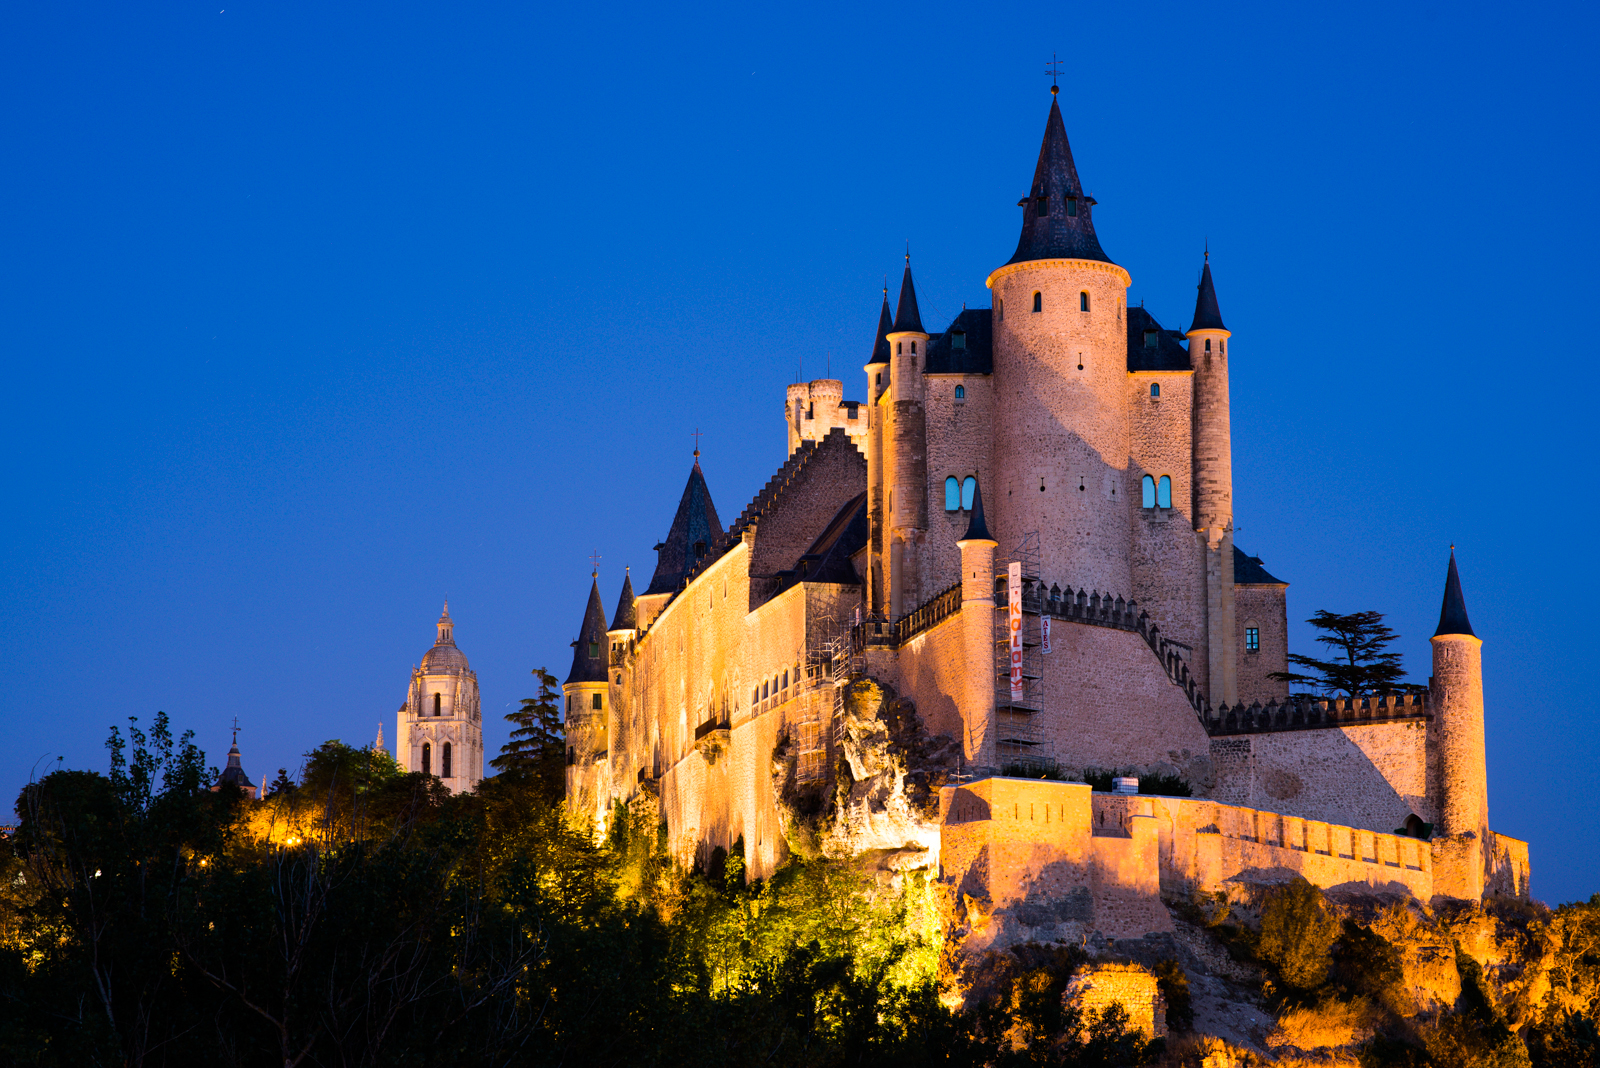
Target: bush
[1150, 785]
[1297, 934]
[1174, 986]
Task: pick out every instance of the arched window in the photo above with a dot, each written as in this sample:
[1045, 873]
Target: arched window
[961, 393]
[437, 698]
[877, 379]
[1083, 301]
[1208, 344]
[785, 685]
[968, 489]
[1164, 492]
[444, 761]
[913, 347]
[1147, 492]
[569, 702]
[1038, 302]
[599, 702]
[1155, 389]
[952, 494]
[899, 347]
[427, 759]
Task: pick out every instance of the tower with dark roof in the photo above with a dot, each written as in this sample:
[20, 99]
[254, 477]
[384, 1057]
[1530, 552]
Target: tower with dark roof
[901, 474]
[695, 529]
[1460, 787]
[233, 774]
[586, 694]
[1061, 428]
[440, 725]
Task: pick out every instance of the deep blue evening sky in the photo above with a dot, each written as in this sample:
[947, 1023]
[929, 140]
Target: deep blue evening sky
[312, 314]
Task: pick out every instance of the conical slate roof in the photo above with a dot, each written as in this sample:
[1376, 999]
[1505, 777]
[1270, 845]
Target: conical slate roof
[589, 652]
[880, 348]
[906, 316]
[977, 529]
[1064, 229]
[694, 530]
[625, 618]
[1207, 316]
[1453, 613]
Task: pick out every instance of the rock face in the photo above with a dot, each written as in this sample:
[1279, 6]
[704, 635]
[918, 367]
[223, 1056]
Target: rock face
[882, 803]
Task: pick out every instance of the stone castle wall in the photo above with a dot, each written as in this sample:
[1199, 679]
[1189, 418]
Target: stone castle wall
[1097, 987]
[959, 444]
[1266, 609]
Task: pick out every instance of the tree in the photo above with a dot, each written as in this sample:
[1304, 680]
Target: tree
[1365, 664]
[536, 752]
[1297, 934]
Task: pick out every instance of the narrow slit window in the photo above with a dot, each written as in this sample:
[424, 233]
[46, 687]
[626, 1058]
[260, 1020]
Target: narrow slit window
[1041, 206]
[952, 494]
[427, 759]
[1164, 492]
[1083, 301]
[1038, 302]
[437, 700]
[598, 703]
[1147, 488]
[961, 393]
[1072, 206]
[969, 489]
[444, 761]
[913, 348]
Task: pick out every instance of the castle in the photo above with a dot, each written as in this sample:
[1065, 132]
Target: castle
[1015, 558]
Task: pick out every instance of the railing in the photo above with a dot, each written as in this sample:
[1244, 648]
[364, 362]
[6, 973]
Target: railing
[936, 610]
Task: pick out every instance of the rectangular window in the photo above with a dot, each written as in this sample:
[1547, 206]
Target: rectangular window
[598, 704]
[958, 340]
[1252, 640]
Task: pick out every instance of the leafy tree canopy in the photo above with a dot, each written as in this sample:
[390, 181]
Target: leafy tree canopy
[1362, 661]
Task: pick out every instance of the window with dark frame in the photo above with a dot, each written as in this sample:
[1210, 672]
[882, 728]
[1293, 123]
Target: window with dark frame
[1252, 639]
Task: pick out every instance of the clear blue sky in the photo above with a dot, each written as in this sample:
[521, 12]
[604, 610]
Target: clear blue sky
[313, 314]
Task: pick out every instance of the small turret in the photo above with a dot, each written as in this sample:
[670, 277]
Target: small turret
[977, 547]
[1456, 736]
[1213, 486]
[904, 450]
[585, 692]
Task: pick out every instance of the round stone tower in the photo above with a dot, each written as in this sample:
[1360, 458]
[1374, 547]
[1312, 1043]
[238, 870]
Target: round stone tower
[1213, 486]
[1060, 377]
[1462, 846]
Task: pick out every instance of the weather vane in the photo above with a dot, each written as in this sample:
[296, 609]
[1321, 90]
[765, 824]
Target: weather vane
[696, 437]
[594, 558]
[1054, 70]
[235, 730]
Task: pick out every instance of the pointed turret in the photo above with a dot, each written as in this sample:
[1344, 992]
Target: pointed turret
[1453, 613]
[626, 617]
[906, 317]
[695, 528]
[589, 651]
[977, 529]
[880, 348]
[234, 774]
[1057, 222]
[1207, 316]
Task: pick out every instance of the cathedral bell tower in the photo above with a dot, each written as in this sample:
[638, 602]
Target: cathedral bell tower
[440, 729]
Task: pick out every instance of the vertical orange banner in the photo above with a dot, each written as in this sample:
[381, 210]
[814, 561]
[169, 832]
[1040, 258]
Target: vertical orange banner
[1014, 621]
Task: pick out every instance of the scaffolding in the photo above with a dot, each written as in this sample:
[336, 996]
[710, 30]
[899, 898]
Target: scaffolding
[831, 661]
[1018, 733]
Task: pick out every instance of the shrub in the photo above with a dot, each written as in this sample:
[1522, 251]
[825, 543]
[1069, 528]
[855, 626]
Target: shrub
[1174, 986]
[1297, 934]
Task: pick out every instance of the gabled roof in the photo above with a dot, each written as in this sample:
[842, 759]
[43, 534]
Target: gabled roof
[1055, 234]
[1167, 353]
[975, 357]
[828, 558]
[1453, 613]
[591, 635]
[625, 617]
[695, 529]
[906, 317]
[880, 348]
[1247, 571]
[1207, 316]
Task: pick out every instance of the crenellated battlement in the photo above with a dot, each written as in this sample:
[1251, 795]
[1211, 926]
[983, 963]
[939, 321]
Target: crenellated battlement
[1309, 713]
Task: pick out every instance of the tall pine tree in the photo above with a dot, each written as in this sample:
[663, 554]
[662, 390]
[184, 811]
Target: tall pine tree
[1364, 665]
[535, 755]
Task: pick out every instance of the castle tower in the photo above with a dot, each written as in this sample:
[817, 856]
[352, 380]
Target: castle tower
[440, 729]
[977, 637]
[1061, 439]
[1456, 740]
[586, 691]
[904, 450]
[695, 528]
[1213, 486]
[877, 368]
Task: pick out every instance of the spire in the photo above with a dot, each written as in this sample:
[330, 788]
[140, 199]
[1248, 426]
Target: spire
[234, 772]
[695, 529]
[1207, 316]
[625, 618]
[589, 651]
[906, 317]
[445, 626]
[378, 745]
[880, 348]
[1057, 221]
[977, 529]
[1453, 613]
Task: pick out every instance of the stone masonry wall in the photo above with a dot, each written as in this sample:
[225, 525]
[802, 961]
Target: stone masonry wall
[959, 437]
[1097, 987]
[1266, 609]
[1368, 775]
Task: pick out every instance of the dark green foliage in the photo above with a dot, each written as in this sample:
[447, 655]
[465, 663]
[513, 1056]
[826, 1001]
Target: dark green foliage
[1297, 934]
[1153, 785]
[536, 750]
[1174, 986]
[1366, 665]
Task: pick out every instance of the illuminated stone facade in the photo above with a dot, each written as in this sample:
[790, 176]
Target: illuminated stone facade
[813, 676]
[440, 727]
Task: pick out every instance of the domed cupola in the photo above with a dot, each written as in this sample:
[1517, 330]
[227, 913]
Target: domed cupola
[444, 658]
